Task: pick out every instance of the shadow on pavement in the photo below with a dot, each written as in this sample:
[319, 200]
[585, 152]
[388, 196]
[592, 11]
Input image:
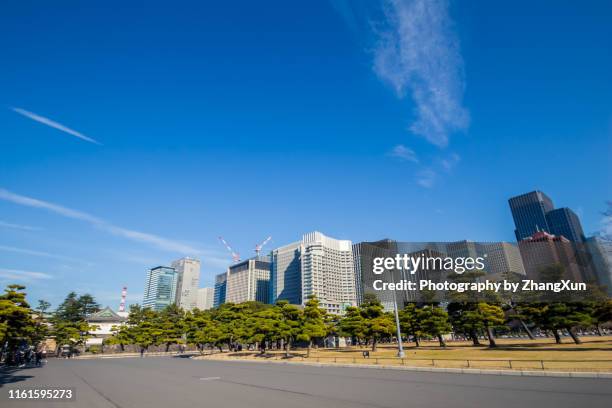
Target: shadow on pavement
[9, 375]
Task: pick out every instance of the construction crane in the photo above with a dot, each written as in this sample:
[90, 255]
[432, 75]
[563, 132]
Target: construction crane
[123, 296]
[235, 255]
[258, 247]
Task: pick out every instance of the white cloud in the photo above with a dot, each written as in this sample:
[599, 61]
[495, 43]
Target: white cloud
[19, 275]
[451, 161]
[37, 253]
[54, 125]
[419, 53]
[5, 224]
[404, 153]
[426, 178]
[155, 240]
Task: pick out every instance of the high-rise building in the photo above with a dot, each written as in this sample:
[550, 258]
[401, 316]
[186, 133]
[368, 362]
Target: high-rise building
[565, 222]
[534, 211]
[327, 272]
[600, 253]
[499, 258]
[529, 213]
[188, 270]
[287, 274]
[542, 250]
[220, 289]
[160, 288]
[206, 298]
[249, 281]
[363, 260]
[317, 265]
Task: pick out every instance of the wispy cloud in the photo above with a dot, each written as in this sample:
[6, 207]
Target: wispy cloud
[19, 275]
[606, 223]
[418, 52]
[404, 153]
[5, 224]
[155, 240]
[426, 178]
[54, 124]
[37, 253]
[448, 163]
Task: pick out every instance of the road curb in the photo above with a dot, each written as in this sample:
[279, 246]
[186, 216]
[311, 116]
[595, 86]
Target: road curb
[519, 373]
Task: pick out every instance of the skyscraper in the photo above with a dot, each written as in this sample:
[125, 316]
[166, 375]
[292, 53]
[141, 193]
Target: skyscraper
[249, 280]
[220, 288]
[535, 211]
[543, 250]
[206, 297]
[317, 265]
[188, 282]
[287, 274]
[529, 213]
[160, 288]
[563, 221]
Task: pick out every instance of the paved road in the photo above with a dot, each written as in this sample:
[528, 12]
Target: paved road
[167, 382]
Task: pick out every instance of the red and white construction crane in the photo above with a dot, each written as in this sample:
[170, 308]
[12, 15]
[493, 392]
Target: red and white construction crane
[123, 296]
[258, 247]
[235, 255]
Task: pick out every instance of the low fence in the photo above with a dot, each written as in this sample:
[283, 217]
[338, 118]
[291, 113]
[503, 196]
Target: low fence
[510, 364]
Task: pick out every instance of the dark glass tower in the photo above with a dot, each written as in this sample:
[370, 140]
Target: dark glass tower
[564, 221]
[529, 213]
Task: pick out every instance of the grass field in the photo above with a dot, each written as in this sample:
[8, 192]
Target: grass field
[595, 354]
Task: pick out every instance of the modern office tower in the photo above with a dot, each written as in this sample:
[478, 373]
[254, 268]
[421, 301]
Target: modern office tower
[502, 259]
[600, 254]
[327, 272]
[188, 282]
[565, 222]
[160, 289]
[534, 211]
[363, 263]
[220, 289]
[249, 280]
[542, 250]
[287, 274]
[317, 265]
[206, 298]
[529, 213]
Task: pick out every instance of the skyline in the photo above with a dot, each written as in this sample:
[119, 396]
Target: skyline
[128, 149]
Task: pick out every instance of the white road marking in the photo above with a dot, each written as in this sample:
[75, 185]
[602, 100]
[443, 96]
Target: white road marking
[209, 378]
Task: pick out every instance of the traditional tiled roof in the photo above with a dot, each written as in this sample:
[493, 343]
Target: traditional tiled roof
[105, 315]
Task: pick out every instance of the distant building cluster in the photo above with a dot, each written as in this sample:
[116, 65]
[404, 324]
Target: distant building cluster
[338, 272]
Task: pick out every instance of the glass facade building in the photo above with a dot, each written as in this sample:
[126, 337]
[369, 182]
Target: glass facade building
[160, 289]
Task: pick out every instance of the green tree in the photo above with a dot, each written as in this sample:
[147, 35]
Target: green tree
[378, 324]
[410, 322]
[16, 323]
[43, 306]
[434, 322]
[352, 324]
[491, 316]
[313, 323]
[289, 325]
[171, 322]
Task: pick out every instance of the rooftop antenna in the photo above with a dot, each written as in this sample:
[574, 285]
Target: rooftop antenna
[235, 255]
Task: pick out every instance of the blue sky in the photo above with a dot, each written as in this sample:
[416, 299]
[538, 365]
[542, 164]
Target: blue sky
[412, 120]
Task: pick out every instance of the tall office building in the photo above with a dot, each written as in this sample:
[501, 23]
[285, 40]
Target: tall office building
[220, 289]
[542, 250]
[188, 282]
[287, 274]
[317, 265]
[327, 272]
[206, 298]
[249, 281]
[363, 261]
[500, 258]
[565, 222]
[160, 288]
[529, 213]
[534, 211]
[600, 254]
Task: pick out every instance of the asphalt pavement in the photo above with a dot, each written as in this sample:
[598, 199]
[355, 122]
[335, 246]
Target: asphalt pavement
[169, 382]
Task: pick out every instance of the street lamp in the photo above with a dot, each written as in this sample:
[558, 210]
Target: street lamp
[400, 346]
